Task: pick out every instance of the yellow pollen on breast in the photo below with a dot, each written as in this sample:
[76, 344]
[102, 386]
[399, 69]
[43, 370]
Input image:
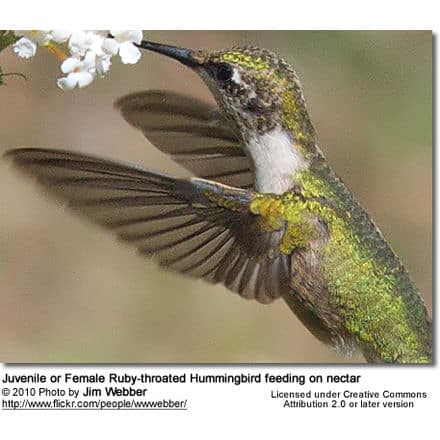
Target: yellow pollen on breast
[276, 211]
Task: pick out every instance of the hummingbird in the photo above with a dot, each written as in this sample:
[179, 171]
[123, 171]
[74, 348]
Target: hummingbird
[264, 214]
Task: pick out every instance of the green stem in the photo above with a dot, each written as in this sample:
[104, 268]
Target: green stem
[6, 39]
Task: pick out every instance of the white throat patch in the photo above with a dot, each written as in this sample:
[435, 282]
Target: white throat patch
[275, 161]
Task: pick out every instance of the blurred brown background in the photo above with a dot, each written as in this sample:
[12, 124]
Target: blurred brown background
[72, 293]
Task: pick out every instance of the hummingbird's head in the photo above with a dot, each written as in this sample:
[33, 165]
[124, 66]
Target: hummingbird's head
[258, 90]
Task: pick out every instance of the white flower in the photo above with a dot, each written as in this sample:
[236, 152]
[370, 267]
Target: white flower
[80, 42]
[60, 36]
[25, 48]
[123, 43]
[89, 44]
[39, 37]
[79, 72]
[90, 52]
[102, 59]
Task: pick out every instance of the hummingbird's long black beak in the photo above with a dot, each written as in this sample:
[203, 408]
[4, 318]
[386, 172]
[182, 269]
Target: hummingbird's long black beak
[178, 53]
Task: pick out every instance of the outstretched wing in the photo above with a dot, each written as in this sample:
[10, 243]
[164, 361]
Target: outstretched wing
[193, 226]
[193, 133]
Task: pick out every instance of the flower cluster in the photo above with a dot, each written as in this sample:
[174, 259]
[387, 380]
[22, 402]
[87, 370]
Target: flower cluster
[84, 54]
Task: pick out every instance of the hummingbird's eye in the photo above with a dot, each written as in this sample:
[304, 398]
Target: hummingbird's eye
[223, 72]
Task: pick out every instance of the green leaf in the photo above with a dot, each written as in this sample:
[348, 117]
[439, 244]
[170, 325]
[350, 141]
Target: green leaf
[6, 39]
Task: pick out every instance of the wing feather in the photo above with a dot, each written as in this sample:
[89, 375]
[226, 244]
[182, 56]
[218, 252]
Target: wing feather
[172, 220]
[193, 133]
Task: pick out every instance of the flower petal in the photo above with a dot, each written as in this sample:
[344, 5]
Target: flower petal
[135, 36]
[69, 82]
[60, 36]
[96, 46]
[110, 46]
[89, 62]
[25, 48]
[70, 64]
[129, 53]
[84, 79]
[80, 42]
